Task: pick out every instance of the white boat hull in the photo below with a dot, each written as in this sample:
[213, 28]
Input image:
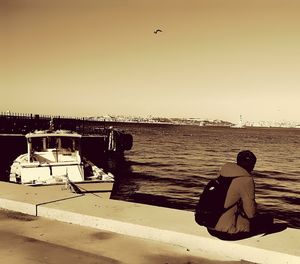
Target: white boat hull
[49, 174]
[36, 173]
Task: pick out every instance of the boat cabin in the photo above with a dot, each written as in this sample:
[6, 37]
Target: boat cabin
[53, 147]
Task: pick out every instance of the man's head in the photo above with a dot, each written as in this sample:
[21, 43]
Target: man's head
[246, 159]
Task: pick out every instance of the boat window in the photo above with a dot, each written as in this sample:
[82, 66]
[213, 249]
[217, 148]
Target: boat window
[52, 142]
[37, 144]
[67, 143]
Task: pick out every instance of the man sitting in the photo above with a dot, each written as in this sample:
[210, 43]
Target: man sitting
[240, 218]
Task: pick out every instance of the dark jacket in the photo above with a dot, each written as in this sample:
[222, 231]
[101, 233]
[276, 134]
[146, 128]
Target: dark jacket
[241, 189]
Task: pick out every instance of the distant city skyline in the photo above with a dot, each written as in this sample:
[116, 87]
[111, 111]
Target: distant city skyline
[213, 59]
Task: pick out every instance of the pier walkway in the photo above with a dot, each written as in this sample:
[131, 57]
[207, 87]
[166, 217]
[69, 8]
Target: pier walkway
[177, 227]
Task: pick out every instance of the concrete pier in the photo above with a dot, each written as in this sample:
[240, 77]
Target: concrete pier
[97, 210]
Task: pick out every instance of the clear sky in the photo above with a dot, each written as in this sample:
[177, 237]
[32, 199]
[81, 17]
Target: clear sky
[214, 59]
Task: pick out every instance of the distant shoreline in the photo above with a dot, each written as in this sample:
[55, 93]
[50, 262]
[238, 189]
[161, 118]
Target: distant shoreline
[10, 118]
[188, 124]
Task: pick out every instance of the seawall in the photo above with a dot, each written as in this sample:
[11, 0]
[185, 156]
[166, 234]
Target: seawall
[172, 226]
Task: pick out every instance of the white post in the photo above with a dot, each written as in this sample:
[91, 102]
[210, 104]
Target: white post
[29, 145]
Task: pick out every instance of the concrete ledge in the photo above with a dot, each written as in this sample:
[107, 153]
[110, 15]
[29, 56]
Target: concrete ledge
[149, 222]
[220, 249]
[25, 208]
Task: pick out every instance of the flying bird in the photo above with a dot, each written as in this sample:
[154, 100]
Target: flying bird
[157, 30]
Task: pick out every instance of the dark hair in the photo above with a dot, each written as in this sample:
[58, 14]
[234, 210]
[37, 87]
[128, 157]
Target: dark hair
[246, 159]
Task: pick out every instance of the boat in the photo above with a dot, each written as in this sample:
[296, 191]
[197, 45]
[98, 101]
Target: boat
[54, 157]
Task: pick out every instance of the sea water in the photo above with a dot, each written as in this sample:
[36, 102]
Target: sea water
[170, 164]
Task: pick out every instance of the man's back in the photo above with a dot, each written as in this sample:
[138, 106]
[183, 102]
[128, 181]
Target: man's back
[241, 189]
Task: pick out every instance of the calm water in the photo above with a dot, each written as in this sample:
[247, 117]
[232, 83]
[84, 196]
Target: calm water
[169, 165]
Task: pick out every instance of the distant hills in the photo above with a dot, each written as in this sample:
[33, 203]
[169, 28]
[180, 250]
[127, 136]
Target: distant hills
[163, 120]
[193, 121]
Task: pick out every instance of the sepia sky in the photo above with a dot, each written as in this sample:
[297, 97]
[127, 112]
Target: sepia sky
[214, 59]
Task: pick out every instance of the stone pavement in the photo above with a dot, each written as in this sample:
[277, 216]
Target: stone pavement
[29, 239]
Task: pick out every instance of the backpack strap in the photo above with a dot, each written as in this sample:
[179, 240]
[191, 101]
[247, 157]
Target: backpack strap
[228, 208]
[243, 214]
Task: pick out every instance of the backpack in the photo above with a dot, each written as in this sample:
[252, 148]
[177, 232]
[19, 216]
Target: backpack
[211, 203]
